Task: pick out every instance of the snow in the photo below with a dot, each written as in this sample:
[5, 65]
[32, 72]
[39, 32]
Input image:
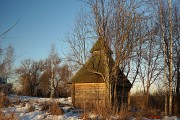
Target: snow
[22, 112]
[171, 118]
[29, 108]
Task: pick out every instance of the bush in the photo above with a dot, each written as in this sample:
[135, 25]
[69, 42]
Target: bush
[55, 110]
[31, 108]
[124, 113]
[45, 106]
[4, 101]
[11, 116]
[2, 116]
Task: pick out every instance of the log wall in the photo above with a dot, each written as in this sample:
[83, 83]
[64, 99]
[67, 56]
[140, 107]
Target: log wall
[89, 95]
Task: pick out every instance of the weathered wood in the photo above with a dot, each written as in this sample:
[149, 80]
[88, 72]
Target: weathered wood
[89, 95]
[92, 84]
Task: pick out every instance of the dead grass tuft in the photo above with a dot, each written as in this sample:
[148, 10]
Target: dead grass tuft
[84, 116]
[4, 101]
[31, 108]
[45, 106]
[124, 113]
[2, 116]
[55, 110]
[10, 116]
[23, 104]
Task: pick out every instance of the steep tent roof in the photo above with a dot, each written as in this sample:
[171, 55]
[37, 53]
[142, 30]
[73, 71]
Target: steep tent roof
[100, 45]
[92, 71]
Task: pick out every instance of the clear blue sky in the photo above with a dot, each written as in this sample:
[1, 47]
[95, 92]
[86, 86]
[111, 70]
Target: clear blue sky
[41, 23]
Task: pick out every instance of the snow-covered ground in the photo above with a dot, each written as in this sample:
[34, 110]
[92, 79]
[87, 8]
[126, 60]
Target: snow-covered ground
[21, 109]
[22, 112]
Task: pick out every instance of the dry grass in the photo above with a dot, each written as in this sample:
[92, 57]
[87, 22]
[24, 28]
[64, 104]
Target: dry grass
[10, 116]
[104, 111]
[142, 107]
[45, 106]
[2, 116]
[55, 110]
[23, 104]
[99, 113]
[31, 108]
[124, 113]
[84, 116]
[4, 101]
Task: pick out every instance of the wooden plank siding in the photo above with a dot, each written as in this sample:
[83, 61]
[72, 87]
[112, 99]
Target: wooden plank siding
[89, 95]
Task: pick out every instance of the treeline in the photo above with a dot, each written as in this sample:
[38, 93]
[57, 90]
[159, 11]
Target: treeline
[44, 78]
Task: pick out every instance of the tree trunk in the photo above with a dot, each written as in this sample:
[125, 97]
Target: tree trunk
[178, 87]
[108, 82]
[164, 51]
[115, 105]
[52, 83]
[171, 58]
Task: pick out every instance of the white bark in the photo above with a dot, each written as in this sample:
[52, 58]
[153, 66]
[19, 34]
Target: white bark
[165, 65]
[170, 59]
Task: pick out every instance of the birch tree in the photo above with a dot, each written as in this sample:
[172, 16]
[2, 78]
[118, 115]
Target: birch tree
[161, 14]
[79, 41]
[151, 67]
[54, 62]
[170, 57]
[117, 22]
[6, 61]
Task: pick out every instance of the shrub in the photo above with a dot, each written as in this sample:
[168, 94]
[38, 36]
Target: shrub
[45, 106]
[55, 110]
[31, 108]
[124, 113]
[23, 104]
[4, 101]
[10, 116]
[2, 116]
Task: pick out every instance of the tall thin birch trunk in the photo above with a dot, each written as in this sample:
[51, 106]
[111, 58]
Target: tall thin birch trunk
[165, 65]
[52, 82]
[165, 80]
[171, 57]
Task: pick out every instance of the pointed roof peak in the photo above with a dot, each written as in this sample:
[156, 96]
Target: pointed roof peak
[99, 45]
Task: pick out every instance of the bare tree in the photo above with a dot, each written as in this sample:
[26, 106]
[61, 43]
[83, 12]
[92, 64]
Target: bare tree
[6, 61]
[176, 55]
[79, 41]
[64, 75]
[151, 67]
[167, 15]
[118, 23]
[29, 75]
[44, 89]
